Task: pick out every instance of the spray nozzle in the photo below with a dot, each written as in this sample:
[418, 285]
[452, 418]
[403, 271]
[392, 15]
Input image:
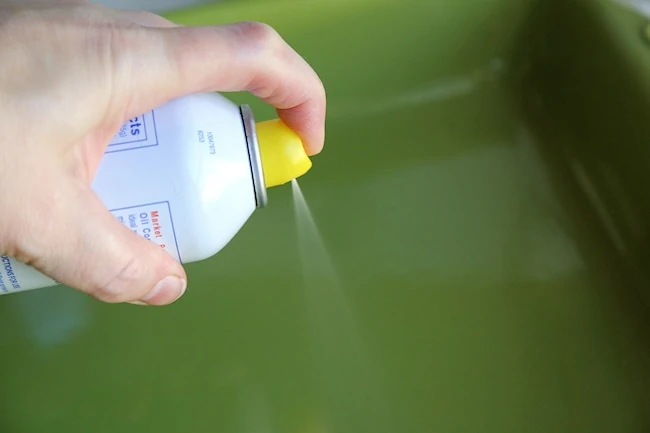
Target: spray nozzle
[282, 153]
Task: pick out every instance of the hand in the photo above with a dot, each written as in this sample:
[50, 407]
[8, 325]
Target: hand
[70, 74]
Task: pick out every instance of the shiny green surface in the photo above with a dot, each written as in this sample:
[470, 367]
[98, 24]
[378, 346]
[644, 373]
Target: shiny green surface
[483, 195]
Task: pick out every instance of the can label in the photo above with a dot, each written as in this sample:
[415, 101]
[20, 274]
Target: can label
[16, 276]
[136, 133]
[153, 222]
[8, 277]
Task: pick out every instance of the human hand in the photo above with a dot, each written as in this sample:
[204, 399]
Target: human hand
[71, 73]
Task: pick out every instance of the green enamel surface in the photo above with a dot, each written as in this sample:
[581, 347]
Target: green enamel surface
[483, 196]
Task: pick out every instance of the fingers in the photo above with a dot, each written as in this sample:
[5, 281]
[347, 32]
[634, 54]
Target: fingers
[82, 245]
[240, 57]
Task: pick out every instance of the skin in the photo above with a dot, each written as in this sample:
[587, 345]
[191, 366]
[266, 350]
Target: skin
[71, 74]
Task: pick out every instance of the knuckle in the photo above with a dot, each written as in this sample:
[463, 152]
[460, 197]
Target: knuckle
[322, 92]
[317, 94]
[146, 15]
[260, 35]
[147, 18]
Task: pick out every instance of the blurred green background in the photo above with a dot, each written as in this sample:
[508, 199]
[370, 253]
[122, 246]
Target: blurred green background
[484, 207]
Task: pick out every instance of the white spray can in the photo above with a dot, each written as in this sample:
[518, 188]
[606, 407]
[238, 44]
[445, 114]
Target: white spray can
[187, 176]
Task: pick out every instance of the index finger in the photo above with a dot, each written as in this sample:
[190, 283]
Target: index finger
[246, 56]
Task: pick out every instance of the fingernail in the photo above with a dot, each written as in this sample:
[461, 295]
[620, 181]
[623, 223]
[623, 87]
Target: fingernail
[168, 290]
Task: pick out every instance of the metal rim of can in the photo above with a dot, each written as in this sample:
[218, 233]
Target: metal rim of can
[254, 156]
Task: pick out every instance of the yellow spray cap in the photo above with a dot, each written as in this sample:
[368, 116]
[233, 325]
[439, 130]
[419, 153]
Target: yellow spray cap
[282, 153]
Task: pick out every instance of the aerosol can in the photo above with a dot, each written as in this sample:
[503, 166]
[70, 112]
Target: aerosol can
[187, 176]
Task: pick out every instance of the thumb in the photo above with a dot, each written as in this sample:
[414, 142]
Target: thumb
[92, 251]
